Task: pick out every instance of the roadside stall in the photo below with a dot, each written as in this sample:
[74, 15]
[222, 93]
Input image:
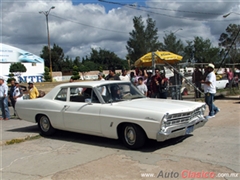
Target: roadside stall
[170, 60]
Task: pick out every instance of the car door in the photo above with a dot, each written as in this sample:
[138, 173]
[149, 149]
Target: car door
[81, 113]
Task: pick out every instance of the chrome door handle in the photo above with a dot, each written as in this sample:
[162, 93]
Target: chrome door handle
[65, 107]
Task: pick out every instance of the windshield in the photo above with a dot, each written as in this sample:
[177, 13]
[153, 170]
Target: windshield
[119, 92]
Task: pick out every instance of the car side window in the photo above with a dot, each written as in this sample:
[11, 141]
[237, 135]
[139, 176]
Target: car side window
[83, 94]
[94, 98]
[77, 94]
[62, 95]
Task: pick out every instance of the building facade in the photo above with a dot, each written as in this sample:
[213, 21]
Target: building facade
[34, 64]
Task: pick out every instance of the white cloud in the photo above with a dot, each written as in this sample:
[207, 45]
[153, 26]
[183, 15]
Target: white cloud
[74, 27]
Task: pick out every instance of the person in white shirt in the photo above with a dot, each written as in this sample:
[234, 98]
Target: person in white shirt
[17, 93]
[101, 89]
[4, 100]
[141, 86]
[124, 76]
[210, 90]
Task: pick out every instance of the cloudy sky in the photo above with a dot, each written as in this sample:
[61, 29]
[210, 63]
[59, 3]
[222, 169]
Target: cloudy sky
[79, 25]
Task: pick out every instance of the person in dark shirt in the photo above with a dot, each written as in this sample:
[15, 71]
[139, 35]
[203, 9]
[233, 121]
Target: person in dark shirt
[163, 87]
[12, 88]
[149, 78]
[155, 82]
[112, 75]
[175, 83]
[197, 77]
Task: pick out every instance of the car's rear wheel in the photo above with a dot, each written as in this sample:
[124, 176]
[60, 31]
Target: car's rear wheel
[133, 136]
[45, 126]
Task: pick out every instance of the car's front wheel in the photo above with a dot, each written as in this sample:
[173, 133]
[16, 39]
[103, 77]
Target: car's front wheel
[133, 136]
[45, 126]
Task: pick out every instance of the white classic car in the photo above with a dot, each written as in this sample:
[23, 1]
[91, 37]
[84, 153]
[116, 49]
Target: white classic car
[112, 109]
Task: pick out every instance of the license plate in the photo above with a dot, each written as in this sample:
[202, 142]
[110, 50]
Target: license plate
[189, 129]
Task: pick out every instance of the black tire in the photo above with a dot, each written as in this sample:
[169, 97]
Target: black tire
[133, 136]
[45, 126]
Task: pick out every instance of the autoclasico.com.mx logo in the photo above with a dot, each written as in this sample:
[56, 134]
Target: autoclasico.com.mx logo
[185, 174]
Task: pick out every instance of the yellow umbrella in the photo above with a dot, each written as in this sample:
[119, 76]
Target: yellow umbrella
[159, 57]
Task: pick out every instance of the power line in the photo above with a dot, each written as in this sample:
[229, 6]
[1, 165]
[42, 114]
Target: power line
[152, 12]
[165, 9]
[76, 22]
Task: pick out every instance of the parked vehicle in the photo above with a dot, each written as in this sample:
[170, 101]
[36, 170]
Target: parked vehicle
[112, 109]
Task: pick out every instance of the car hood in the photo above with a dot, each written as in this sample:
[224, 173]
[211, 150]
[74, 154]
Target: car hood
[161, 105]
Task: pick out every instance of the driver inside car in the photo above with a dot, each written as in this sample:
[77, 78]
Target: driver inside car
[115, 91]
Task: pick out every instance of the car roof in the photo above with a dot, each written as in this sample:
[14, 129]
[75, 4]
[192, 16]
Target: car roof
[53, 92]
[90, 83]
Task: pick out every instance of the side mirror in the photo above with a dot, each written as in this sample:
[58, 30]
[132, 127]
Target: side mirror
[89, 101]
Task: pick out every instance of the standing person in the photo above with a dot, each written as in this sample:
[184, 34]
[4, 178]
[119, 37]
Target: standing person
[132, 77]
[196, 79]
[163, 87]
[141, 86]
[176, 85]
[112, 74]
[141, 73]
[124, 76]
[229, 76]
[12, 88]
[148, 83]
[210, 90]
[155, 82]
[33, 91]
[71, 80]
[102, 89]
[4, 100]
[18, 93]
[100, 77]
[205, 72]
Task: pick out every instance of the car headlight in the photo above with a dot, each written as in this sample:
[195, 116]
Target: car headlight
[203, 108]
[164, 121]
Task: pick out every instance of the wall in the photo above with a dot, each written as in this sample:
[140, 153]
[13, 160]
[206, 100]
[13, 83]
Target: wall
[34, 72]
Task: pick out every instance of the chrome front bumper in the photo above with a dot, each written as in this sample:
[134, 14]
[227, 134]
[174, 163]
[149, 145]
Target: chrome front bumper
[181, 129]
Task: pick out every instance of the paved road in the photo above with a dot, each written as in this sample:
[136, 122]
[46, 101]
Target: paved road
[213, 148]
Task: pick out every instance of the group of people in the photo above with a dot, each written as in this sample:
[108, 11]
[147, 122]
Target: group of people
[14, 94]
[155, 86]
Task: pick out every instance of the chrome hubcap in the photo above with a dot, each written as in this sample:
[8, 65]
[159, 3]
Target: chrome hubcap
[44, 123]
[130, 135]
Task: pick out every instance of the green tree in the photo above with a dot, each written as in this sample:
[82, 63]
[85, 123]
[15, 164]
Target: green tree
[202, 51]
[75, 73]
[103, 58]
[67, 65]
[17, 68]
[77, 61]
[172, 44]
[47, 77]
[57, 57]
[83, 69]
[227, 38]
[142, 39]
[100, 69]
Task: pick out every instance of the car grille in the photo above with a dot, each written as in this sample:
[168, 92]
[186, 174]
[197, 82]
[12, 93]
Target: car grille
[182, 118]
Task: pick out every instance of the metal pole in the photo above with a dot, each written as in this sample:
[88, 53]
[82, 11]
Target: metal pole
[181, 75]
[153, 64]
[49, 48]
[46, 13]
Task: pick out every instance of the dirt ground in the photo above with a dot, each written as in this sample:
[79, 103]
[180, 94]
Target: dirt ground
[213, 148]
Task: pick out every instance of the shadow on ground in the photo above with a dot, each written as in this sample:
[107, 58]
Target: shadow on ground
[28, 129]
[150, 145]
